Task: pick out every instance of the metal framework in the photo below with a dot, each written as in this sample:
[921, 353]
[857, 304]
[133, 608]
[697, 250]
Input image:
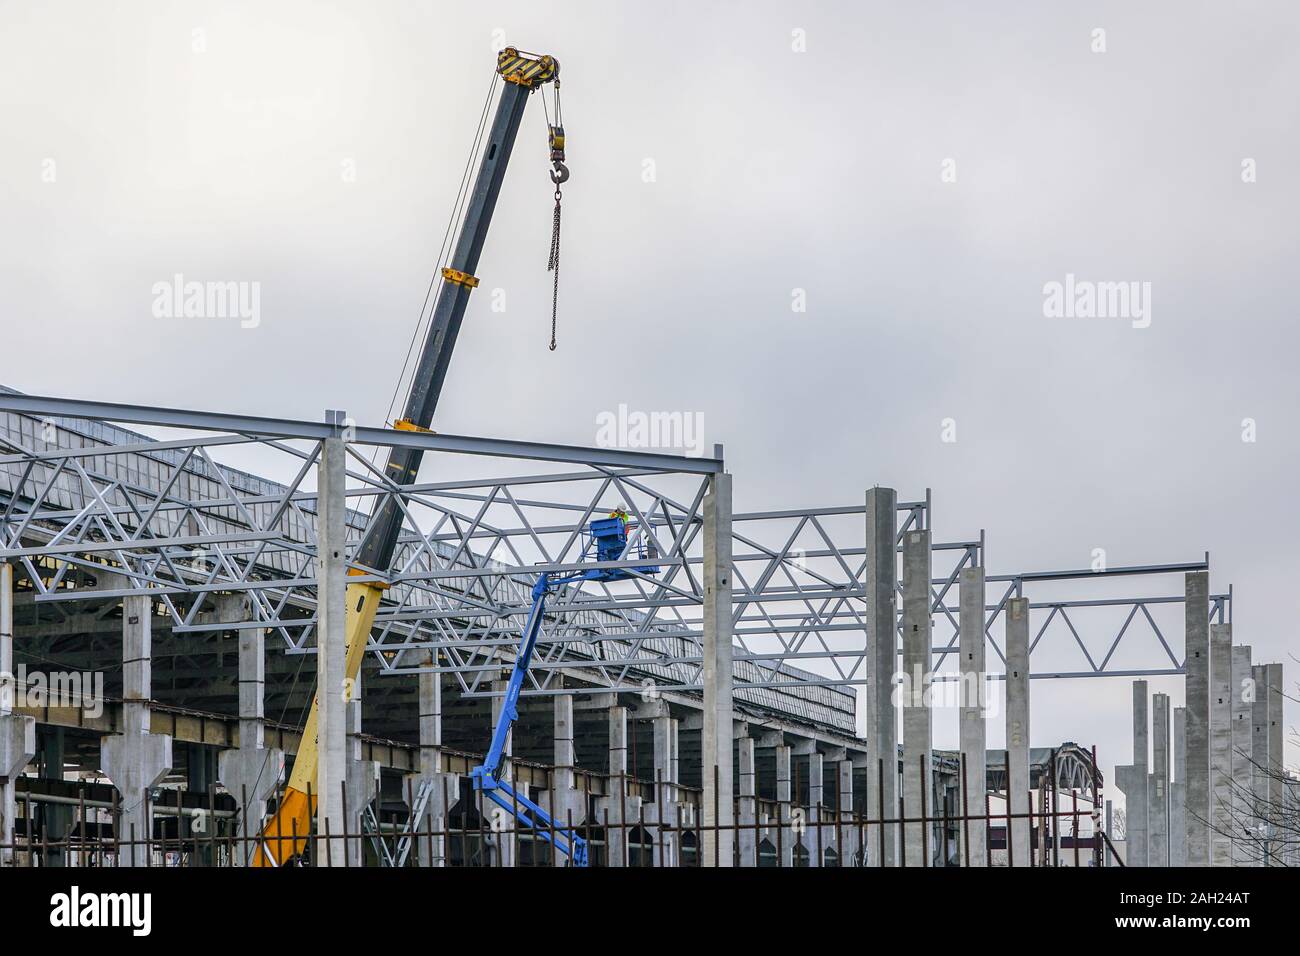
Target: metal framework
[80, 497]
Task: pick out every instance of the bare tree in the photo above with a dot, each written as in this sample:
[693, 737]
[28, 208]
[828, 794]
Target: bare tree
[1261, 818]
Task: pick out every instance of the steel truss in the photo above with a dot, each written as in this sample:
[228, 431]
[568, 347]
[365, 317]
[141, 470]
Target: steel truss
[82, 498]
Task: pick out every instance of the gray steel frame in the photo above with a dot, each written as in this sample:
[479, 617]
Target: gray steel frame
[167, 518]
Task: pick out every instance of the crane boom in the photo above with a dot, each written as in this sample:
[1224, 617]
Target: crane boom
[286, 834]
[523, 75]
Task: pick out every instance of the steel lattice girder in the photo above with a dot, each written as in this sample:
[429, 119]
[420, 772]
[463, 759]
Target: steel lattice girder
[164, 516]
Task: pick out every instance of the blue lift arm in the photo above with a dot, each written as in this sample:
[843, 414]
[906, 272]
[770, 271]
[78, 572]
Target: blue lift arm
[609, 541]
[485, 776]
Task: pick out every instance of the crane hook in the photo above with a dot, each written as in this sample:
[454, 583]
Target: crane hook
[555, 135]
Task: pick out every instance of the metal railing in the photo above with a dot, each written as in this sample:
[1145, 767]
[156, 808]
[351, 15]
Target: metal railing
[452, 826]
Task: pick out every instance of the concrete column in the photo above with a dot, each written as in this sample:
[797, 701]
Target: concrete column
[1178, 792]
[816, 780]
[618, 742]
[817, 811]
[676, 731]
[1110, 831]
[251, 772]
[1259, 741]
[1197, 683]
[665, 791]
[1275, 692]
[1158, 784]
[1220, 744]
[563, 777]
[747, 800]
[17, 734]
[881, 595]
[564, 802]
[362, 775]
[716, 759]
[917, 719]
[430, 812]
[507, 771]
[844, 787]
[618, 810]
[430, 718]
[56, 819]
[847, 835]
[784, 800]
[973, 729]
[666, 810]
[1289, 852]
[331, 649]
[136, 760]
[784, 773]
[1017, 651]
[1242, 758]
[1133, 780]
[499, 820]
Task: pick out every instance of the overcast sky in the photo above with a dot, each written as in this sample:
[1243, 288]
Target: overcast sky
[920, 171]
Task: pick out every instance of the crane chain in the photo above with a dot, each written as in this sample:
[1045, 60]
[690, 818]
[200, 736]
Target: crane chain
[553, 265]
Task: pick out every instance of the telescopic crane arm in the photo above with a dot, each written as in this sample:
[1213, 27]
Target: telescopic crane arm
[286, 834]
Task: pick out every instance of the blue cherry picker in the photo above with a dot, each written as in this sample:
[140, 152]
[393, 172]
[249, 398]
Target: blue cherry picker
[610, 540]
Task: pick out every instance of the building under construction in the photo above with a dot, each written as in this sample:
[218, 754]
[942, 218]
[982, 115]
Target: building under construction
[166, 618]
